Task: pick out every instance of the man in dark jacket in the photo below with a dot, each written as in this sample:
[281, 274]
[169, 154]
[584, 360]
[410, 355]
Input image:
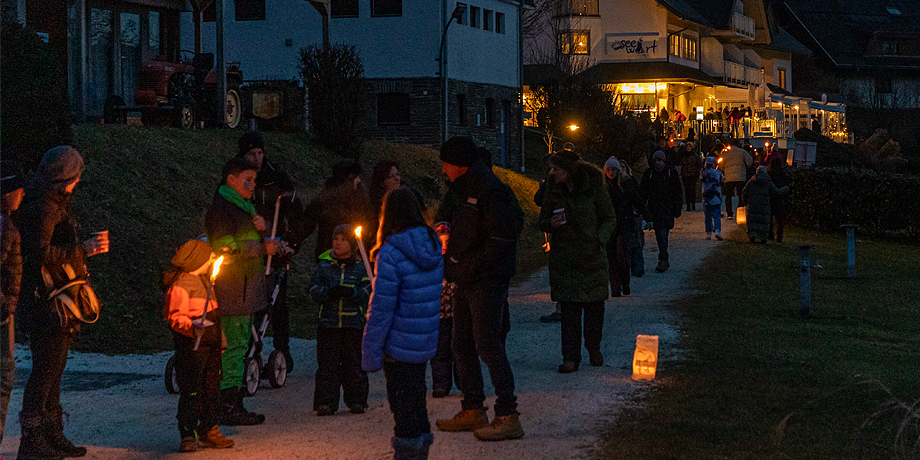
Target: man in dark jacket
[275, 187]
[662, 190]
[480, 258]
[233, 227]
[13, 184]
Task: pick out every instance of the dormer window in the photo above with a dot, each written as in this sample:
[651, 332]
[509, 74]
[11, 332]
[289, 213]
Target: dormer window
[893, 10]
[890, 48]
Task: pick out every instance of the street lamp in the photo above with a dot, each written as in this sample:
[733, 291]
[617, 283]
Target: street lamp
[442, 61]
[573, 127]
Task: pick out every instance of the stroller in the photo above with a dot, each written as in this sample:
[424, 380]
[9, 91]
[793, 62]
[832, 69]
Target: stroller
[256, 369]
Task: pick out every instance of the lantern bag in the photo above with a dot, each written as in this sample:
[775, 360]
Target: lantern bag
[741, 216]
[72, 298]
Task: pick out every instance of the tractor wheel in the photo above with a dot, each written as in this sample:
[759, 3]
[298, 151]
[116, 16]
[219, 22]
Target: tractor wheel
[184, 116]
[234, 114]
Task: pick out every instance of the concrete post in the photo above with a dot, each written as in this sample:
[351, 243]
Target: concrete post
[851, 249]
[805, 280]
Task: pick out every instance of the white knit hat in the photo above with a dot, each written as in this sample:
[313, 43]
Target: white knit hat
[612, 162]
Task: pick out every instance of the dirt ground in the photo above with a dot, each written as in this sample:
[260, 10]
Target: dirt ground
[120, 409]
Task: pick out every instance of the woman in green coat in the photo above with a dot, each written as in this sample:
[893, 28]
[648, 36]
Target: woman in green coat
[577, 212]
[757, 195]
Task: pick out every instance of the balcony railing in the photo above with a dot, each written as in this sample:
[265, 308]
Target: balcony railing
[741, 27]
[741, 74]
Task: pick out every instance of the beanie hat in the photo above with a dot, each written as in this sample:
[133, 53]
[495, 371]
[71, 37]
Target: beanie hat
[612, 162]
[12, 177]
[761, 169]
[192, 255]
[60, 165]
[710, 161]
[567, 160]
[659, 155]
[250, 140]
[348, 232]
[460, 151]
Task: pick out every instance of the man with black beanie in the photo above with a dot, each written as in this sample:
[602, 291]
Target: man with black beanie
[480, 259]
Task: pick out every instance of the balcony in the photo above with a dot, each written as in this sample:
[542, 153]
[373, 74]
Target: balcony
[741, 75]
[741, 27]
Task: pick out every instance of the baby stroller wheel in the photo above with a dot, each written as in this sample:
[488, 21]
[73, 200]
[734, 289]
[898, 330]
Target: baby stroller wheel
[169, 377]
[251, 376]
[276, 369]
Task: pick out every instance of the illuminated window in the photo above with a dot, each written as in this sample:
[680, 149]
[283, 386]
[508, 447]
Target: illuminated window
[576, 8]
[781, 78]
[575, 42]
[344, 8]
[500, 22]
[689, 47]
[674, 45]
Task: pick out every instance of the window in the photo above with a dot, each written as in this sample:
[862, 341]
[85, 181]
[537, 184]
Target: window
[500, 22]
[210, 13]
[153, 34]
[490, 109]
[574, 42]
[344, 8]
[576, 8]
[890, 48]
[781, 78]
[474, 16]
[689, 47]
[462, 19]
[250, 10]
[486, 19]
[386, 8]
[461, 109]
[674, 45]
[393, 109]
[883, 85]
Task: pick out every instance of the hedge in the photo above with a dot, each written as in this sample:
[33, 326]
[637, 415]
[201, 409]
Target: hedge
[881, 204]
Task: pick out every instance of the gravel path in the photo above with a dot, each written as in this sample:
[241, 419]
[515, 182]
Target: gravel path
[129, 415]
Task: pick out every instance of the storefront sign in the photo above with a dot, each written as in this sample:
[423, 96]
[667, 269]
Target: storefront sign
[630, 46]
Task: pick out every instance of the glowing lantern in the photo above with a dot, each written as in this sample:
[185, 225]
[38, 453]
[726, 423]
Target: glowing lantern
[741, 216]
[645, 359]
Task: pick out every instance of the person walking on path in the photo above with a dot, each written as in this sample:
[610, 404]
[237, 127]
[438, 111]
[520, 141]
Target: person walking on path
[735, 163]
[712, 180]
[401, 334]
[49, 239]
[757, 194]
[13, 185]
[480, 258]
[624, 196]
[341, 287]
[578, 215]
[190, 301]
[776, 168]
[272, 185]
[690, 164]
[232, 226]
[663, 194]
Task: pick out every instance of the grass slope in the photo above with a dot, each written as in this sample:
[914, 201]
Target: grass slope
[150, 187]
[756, 381]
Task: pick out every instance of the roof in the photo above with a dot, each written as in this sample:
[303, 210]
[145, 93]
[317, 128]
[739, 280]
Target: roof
[841, 30]
[660, 71]
[782, 41]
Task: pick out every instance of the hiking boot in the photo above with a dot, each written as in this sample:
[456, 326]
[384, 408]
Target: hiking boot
[412, 448]
[719, 236]
[626, 290]
[662, 266]
[55, 434]
[232, 412]
[213, 439]
[325, 409]
[567, 367]
[188, 444]
[554, 317]
[465, 420]
[34, 444]
[358, 408]
[596, 358]
[502, 427]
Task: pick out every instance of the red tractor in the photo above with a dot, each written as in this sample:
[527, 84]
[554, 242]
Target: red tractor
[181, 93]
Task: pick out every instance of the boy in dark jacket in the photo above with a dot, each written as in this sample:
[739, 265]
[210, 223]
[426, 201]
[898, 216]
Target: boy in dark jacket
[342, 288]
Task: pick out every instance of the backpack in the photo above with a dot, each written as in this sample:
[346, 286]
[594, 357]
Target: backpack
[71, 295]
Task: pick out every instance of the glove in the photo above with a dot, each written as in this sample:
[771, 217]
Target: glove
[648, 226]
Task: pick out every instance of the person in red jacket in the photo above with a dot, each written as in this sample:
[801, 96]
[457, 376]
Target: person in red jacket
[191, 310]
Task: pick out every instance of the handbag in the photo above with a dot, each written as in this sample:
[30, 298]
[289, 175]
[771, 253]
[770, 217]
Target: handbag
[71, 295]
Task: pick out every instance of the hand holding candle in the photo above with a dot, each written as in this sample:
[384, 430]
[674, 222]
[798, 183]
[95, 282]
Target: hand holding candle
[203, 323]
[367, 263]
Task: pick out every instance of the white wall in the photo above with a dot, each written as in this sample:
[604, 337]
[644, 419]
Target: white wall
[711, 60]
[478, 55]
[628, 21]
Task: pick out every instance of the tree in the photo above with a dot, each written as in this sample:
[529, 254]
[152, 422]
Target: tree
[334, 78]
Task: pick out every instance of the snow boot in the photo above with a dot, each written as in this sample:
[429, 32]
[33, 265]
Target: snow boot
[412, 448]
[502, 427]
[34, 444]
[188, 444]
[55, 434]
[465, 420]
[213, 439]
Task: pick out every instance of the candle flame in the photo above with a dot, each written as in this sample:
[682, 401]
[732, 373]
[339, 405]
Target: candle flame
[358, 232]
[216, 267]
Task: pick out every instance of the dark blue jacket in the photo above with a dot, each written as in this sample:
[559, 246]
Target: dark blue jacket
[337, 311]
[404, 312]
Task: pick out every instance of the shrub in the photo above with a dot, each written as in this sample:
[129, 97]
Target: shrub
[36, 112]
[334, 78]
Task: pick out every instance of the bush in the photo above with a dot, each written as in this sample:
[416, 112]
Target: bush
[36, 112]
[881, 204]
[334, 78]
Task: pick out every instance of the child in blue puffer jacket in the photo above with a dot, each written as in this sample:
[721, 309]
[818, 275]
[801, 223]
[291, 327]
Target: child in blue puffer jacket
[402, 324]
[342, 288]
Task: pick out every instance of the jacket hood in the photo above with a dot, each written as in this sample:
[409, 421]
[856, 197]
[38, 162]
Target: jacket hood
[762, 177]
[415, 244]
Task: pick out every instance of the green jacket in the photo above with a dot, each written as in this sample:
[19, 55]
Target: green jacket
[577, 257]
[336, 311]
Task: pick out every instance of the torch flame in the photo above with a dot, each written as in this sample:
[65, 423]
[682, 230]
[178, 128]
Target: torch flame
[358, 232]
[216, 267]
[720, 160]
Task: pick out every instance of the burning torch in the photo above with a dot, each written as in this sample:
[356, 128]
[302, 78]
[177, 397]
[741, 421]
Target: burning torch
[367, 263]
[203, 322]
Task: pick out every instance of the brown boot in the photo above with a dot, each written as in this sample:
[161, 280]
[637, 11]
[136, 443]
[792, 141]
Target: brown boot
[214, 440]
[502, 427]
[465, 420]
[188, 444]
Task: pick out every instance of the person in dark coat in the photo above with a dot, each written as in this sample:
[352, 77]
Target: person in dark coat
[690, 165]
[233, 228]
[757, 194]
[342, 200]
[624, 196]
[776, 168]
[274, 186]
[663, 194]
[480, 258]
[49, 239]
[13, 185]
[578, 215]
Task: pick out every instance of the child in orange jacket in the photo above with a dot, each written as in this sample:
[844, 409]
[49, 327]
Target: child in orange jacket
[198, 346]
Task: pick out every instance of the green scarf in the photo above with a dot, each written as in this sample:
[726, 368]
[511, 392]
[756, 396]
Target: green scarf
[234, 197]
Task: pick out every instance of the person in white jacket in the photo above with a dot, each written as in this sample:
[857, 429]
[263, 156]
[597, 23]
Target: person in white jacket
[734, 165]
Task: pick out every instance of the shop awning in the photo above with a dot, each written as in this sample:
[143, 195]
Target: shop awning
[828, 107]
[646, 72]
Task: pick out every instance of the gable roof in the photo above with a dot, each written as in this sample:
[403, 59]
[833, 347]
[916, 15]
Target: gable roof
[713, 13]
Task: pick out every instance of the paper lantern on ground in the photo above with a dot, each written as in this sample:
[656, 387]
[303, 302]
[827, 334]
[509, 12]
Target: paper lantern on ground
[741, 216]
[645, 359]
